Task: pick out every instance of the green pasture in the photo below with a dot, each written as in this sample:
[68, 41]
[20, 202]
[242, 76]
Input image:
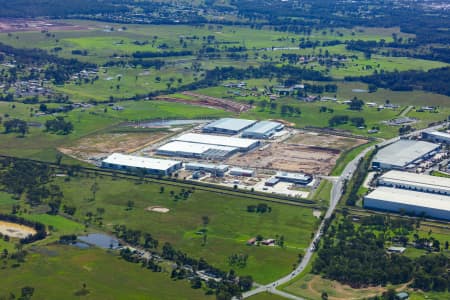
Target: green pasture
[42, 145]
[229, 228]
[58, 272]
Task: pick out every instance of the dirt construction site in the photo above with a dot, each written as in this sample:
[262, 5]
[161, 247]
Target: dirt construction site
[307, 152]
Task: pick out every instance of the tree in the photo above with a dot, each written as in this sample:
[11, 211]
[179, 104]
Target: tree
[356, 104]
[205, 221]
[130, 205]
[94, 189]
[324, 296]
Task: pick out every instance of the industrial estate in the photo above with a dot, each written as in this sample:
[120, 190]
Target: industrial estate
[224, 149]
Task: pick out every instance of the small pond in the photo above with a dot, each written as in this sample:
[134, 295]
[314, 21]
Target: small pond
[97, 239]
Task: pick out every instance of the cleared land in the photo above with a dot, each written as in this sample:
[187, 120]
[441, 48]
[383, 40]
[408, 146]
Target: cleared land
[307, 152]
[15, 230]
[92, 148]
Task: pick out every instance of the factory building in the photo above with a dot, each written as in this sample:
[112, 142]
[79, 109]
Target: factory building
[242, 172]
[409, 202]
[149, 165]
[436, 136]
[416, 182]
[297, 178]
[196, 150]
[403, 154]
[217, 170]
[228, 126]
[242, 144]
[262, 130]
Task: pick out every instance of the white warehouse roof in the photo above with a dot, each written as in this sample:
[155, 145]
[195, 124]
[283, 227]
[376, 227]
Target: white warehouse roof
[404, 152]
[411, 198]
[194, 148]
[263, 127]
[140, 162]
[217, 140]
[418, 180]
[440, 134]
[229, 124]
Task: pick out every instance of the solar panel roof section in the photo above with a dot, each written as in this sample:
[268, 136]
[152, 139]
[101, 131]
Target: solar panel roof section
[404, 152]
[229, 125]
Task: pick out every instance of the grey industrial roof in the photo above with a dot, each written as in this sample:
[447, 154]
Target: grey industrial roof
[230, 124]
[294, 176]
[140, 162]
[419, 180]
[440, 134]
[404, 152]
[413, 198]
[206, 166]
[263, 127]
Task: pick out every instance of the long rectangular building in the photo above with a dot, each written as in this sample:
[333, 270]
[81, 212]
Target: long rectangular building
[409, 202]
[240, 143]
[197, 150]
[416, 182]
[403, 153]
[228, 126]
[217, 170]
[262, 130]
[437, 136]
[149, 165]
[298, 178]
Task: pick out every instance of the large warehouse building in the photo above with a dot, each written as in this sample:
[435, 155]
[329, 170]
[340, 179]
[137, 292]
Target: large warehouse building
[242, 144]
[262, 130]
[437, 136]
[403, 153]
[149, 165]
[203, 151]
[409, 202]
[228, 126]
[416, 182]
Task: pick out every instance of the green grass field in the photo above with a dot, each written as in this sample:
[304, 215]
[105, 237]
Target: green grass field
[229, 228]
[58, 272]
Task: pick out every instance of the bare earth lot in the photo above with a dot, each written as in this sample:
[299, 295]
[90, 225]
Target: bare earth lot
[15, 230]
[98, 146]
[304, 152]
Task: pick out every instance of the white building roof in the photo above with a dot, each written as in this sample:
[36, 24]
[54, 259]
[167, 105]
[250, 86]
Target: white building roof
[230, 124]
[419, 180]
[216, 140]
[140, 162]
[194, 148]
[263, 127]
[293, 176]
[404, 152]
[408, 197]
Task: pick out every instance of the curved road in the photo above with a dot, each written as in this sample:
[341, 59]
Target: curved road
[336, 194]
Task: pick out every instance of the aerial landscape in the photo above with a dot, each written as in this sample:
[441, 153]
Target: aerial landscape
[225, 149]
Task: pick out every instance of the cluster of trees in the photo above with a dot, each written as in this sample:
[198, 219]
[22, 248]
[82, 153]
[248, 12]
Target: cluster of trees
[40, 228]
[56, 68]
[355, 255]
[150, 54]
[59, 126]
[260, 208]
[16, 125]
[434, 80]
[238, 259]
[344, 119]
[135, 237]
[352, 186]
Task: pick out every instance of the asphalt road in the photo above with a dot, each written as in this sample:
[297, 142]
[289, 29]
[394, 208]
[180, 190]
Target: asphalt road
[336, 194]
